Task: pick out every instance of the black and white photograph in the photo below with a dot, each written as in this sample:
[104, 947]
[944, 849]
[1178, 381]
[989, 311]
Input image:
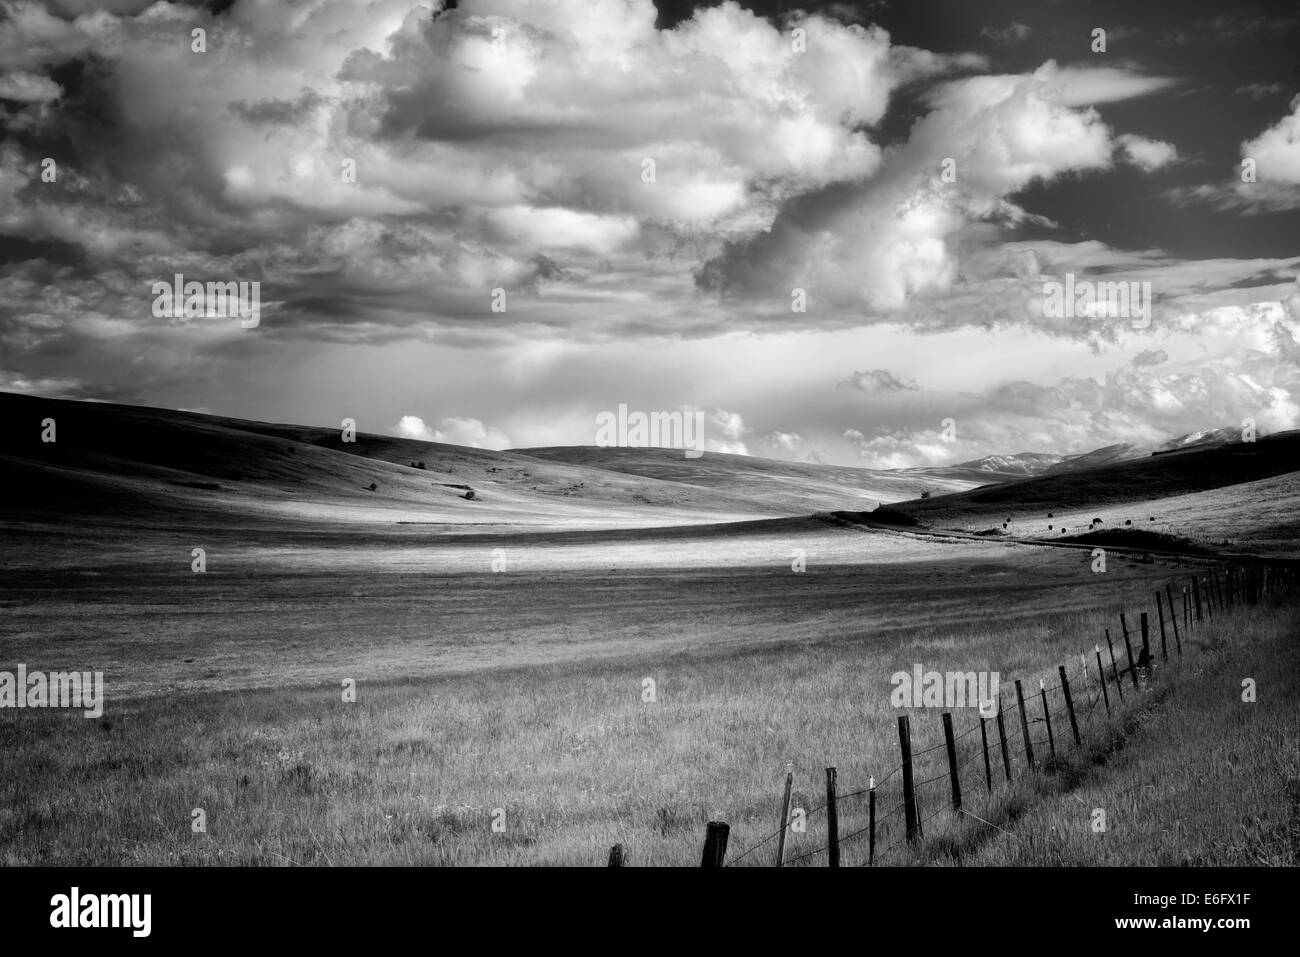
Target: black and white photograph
[514, 434]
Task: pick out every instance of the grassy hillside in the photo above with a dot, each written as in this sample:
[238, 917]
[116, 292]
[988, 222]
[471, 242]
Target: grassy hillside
[1241, 497]
[760, 479]
[119, 462]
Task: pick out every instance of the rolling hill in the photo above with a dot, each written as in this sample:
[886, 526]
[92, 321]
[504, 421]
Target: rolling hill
[127, 464]
[1234, 495]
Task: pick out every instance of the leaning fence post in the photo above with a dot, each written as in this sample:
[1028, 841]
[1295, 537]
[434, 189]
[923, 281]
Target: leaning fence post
[909, 793]
[1024, 725]
[1002, 737]
[1069, 705]
[832, 820]
[1114, 669]
[1146, 646]
[1047, 716]
[1101, 673]
[1128, 645]
[1173, 617]
[1164, 646]
[715, 844]
[785, 817]
[951, 745]
[871, 822]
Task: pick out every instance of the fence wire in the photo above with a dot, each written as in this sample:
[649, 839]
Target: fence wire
[1087, 690]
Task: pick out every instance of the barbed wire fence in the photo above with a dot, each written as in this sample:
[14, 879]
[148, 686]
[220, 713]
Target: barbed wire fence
[888, 817]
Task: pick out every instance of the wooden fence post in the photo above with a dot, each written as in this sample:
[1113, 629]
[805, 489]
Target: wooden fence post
[617, 856]
[871, 822]
[1047, 716]
[1196, 599]
[1101, 673]
[1173, 617]
[909, 793]
[1024, 725]
[832, 820]
[715, 844]
[951, 745]
[1146, 646]
[988, 768]
[1114, 669]
[1002, 737]
[1069, 705]
[785, 817]
[1128, 646]
[1164, 646]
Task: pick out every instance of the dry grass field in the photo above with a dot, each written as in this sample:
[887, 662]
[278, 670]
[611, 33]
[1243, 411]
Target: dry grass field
[517, 696]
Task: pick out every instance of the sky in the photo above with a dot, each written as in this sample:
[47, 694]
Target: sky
[831, 228]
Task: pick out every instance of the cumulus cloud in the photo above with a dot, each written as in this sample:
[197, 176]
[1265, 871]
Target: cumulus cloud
[1245, 365]
[28, 87]
[1147, 155]
[1275, 156]
[1277, 149]
[390, 164]
[454, 430]
[725, 432]
[783, 441]
[501, 144]
[881, 242]
[1261, 91]
[878, 381]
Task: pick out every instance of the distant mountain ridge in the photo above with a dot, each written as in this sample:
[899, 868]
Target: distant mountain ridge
[1028, 464]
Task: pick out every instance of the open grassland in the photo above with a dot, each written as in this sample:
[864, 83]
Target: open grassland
[1191, 776]
[501, 649]
[571, 753]
[298, 605]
